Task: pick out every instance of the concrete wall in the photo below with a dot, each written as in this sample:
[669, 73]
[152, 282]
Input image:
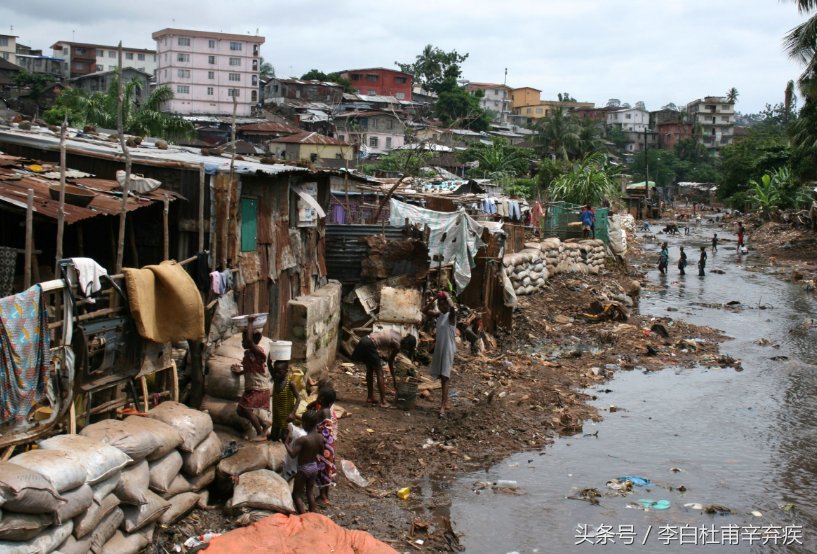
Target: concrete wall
[314, 324]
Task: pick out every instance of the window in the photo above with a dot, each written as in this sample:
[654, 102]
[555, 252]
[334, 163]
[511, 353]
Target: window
[211, 43]
[211, 74]
[184, 41]
[100, 68]
[255, 65]
[183, 73]
[389, 124]
[235, 46]
[342, 138]
[210, 91]
[400, 95]
[141, 57]
[388, 143]
[128, 55]
[255, 80]
[233, 92]
[373, 123]
[4, 41]
[183, 89]
[254, 96]
[713, 120]
[725, 118]
[255, 50]
[183, 57]
[211, 60]
[371, 78]
[355, 76]
[111, 54]
[235, 77]
[373, 142]
[249, 227]
[111, 68]
[372, 92]
[538, 110]
[80, 51]
[628, 116]
[400, 80]
[235, 61]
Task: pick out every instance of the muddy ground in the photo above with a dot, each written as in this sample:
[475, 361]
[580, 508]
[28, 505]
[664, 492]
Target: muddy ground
[516, 397]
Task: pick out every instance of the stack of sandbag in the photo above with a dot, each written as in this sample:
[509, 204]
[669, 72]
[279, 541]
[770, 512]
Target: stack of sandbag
[176, 478]
[102, 464]
[551, 249]
[526, 270]
[31, 504]
[223, 388]
[594, 254]
[571, 260]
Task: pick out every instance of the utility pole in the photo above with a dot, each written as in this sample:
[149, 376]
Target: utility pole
[505, 99]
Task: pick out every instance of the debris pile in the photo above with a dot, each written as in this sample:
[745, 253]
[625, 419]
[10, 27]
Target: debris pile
[533, 266]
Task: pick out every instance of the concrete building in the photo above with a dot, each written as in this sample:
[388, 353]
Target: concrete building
[495, 98]
[629, 119]
[311, 146]
[380, 81]
[8, 48]
[277, 91]
[102, 81]
[34, 61]
[715, 117]
[373, 132]
[81, 58]
[527, 102]
[207, 70]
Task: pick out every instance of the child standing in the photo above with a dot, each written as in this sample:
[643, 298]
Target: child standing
[663, 258]
[306, 449]
[284, 400]
[715, 243]
[328, 428]
[702, 262]
[682, 262]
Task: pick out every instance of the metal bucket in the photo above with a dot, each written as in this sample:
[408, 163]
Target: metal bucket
[406, 395]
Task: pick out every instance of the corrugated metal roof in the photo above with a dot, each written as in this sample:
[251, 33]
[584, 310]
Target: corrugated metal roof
[306, 137]
[345, 249]
[269, 127]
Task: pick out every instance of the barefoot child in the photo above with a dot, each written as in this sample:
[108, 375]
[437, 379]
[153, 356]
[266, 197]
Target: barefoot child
[306, 449]
[284, 400]
[256, 378]
[328, 428]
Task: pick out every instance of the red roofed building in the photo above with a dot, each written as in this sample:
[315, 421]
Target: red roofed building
[379, 81]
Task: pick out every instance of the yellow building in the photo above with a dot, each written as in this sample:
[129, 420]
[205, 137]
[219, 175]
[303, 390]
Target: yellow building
[525, 96]
[527, 102]
[311, 146]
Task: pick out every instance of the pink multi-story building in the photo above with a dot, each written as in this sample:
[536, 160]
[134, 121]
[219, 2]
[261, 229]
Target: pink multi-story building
[206, 70]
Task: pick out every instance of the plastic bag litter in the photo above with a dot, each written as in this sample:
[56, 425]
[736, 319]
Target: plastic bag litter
[635, 480]
[351, 472]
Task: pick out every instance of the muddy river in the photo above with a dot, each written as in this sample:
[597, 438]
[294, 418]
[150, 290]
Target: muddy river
[745, 440]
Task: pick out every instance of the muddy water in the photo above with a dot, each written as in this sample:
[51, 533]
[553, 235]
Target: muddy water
[745, 440]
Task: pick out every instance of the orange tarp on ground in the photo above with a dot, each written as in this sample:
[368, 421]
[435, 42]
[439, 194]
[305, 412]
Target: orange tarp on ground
[304, 534]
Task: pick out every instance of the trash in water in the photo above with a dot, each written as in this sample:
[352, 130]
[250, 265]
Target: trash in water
[676, 469]
[590, 495]
[756, 513]
[197, 541]
[621, 486]
[613, 408]
[635, 480]
[649, 504]
[779, 358]
[403, 493]
[788, 507]
[505, 484]
[659, 329]
[717, 509]
[682, 488]
[694, 506]
[351, 473]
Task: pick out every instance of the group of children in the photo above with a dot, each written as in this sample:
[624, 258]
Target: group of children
[266, 379]
[663, 260]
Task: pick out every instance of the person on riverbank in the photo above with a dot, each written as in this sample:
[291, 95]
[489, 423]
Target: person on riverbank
[328, 427]
[445, 346]
[663, 258]
[702, 262]
[306, 450]
[256, 378]
[371, 350]
[682, 261]
[588, 222]
[284, 400]
[715, 243]
[741, 233]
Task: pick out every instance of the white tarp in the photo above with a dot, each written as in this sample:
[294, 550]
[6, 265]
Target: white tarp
[455, 236]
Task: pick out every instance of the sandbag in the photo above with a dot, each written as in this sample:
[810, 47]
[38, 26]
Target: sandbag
[168, 438]
[129, 437]
[262, 489]
[205, 455]
[133, 484]
[192, 425]
[27, 491]
[106, 487]
[179, 506]
[64, 472]
[178, 486]
[23, 527]
[76, 502]
[220, 381]
[100, 460]
[73, 545]
[87, 522]
[250, 456]
[164, 470]
[223, 412]
[45, 542]
[203, 479]
[137, 517]
[133, 543]
[105, 530]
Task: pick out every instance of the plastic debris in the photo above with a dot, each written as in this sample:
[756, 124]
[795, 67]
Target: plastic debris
[621, 486]
[756, 513]
[403, 493]
[351, 472]
[717, 509]
[505, 484]
[649, 504]
[635, 480]
[197, 541]
[694, 506]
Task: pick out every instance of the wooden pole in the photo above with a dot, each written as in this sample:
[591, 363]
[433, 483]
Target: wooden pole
[120, 129]
[225, 240]
[166, 230]
[201, 208]
[61, 212]
[29, 241]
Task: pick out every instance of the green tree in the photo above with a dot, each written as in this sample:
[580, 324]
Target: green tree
[408, 162]
[265, 70]
[36, 85]
[434, 69]
[764, 149]
[590, 180]
[663, 166]
[732, 95]
[497, 160]
[317, 75]
[557, 135]
[456, 107]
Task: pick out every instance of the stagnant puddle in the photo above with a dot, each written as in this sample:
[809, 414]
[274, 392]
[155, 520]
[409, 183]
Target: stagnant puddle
[743, 440]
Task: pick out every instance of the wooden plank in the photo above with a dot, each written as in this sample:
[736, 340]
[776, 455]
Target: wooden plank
[28, 238]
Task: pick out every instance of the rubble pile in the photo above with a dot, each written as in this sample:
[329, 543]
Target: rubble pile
[529, 269]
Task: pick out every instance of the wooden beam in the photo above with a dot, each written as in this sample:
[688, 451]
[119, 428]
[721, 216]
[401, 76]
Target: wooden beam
[201, 208]
[120, 129]
[166, 229]
[61, 212]
[28, 238]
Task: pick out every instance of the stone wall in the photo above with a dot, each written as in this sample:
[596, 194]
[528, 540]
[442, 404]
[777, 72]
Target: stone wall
[314, 322]
[529, 269]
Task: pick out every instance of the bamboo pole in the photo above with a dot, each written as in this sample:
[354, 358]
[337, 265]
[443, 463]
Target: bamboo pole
[120, 129]
[201, 208]
[165, 229]
[61, 212]
[29, 242]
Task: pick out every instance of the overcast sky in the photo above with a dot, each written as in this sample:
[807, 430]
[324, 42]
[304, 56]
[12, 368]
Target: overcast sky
[658, 51]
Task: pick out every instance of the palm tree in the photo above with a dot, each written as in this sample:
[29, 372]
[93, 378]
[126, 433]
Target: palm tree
[590, 181]
[266, 70]
[557, 134]
[500, 159]
[801, 42]
[732, 95]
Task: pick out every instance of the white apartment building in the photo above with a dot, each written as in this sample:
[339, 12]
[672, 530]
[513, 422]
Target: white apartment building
[495, 98]
[629, 119]
[207, 70]
[82, 58]
[714, 116]
[8, 48]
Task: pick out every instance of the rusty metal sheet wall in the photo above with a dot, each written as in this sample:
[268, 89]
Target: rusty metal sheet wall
[345, 249]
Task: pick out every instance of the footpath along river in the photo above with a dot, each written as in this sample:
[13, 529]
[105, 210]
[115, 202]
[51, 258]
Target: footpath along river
[746, 440]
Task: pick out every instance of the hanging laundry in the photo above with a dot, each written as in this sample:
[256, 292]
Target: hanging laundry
[226, 277]
[85, 273]
[8, 260]
[202, 271]
[536, 214]
[25, 354]
[215, 283]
